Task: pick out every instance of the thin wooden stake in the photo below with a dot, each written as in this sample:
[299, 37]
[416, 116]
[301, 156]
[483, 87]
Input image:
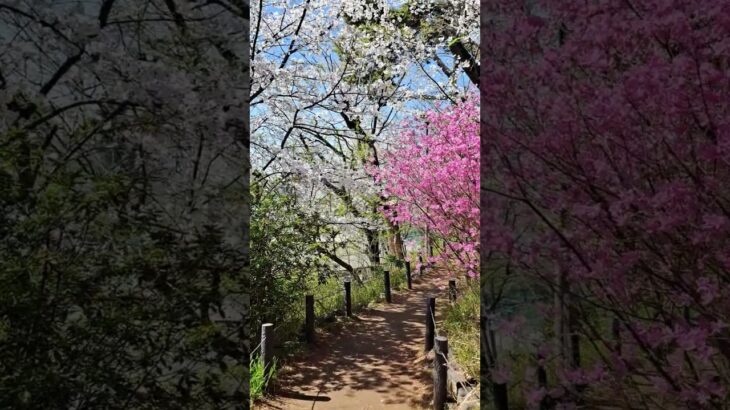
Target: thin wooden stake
[267, 345]
[452, 290]
[309, 320]
[386, 284]
[348, 298]
[430, 325]
[408, 275]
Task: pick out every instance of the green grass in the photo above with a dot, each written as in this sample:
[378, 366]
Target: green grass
[329, 296]
[260, 377]
[461, 325]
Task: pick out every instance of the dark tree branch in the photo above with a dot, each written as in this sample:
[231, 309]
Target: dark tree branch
[70, 61]
[463, 55]
[106, 8]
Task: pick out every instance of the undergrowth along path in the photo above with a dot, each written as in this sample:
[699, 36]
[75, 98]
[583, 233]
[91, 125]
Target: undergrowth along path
[373, 361]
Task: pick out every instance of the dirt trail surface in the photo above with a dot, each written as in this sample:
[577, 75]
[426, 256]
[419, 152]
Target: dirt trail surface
[374, 361]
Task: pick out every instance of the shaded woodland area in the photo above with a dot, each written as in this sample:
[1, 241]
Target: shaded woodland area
[123, 204]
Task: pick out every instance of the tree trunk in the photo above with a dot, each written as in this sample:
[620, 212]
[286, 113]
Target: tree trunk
[427, 244]
[373, 247]
[340, 262]
[395, 243]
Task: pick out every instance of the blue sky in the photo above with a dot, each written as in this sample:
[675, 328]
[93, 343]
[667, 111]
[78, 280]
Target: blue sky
[414, 72]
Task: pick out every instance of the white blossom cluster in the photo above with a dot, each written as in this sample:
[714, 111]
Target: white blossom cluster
[169, 79]
[313, 70]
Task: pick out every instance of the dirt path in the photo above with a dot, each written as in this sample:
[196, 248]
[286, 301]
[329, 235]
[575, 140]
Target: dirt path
[374, 361]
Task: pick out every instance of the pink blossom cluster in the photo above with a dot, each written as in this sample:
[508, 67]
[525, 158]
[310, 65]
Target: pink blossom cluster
[606, 129]
[431, 180]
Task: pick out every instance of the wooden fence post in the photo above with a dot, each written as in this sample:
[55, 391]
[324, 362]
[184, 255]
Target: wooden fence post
[309, 320]
[386, 284]
[430, 325]
[348, 298]
[267, 345]
[408, 274]
[452, 290]
[440, 373]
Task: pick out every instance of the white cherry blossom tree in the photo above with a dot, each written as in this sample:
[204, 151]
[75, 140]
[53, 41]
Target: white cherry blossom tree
[330, 84]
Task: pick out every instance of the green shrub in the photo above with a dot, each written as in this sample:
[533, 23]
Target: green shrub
[461, 325]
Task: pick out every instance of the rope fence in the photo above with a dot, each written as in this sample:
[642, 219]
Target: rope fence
[445, 371]
[444, 368]
[321, 297]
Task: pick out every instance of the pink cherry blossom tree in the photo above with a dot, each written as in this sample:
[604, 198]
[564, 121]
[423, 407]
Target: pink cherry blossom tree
[431, 181]
[606, 128]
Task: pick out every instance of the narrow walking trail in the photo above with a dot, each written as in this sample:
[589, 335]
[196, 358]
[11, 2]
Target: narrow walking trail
[374, 361]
